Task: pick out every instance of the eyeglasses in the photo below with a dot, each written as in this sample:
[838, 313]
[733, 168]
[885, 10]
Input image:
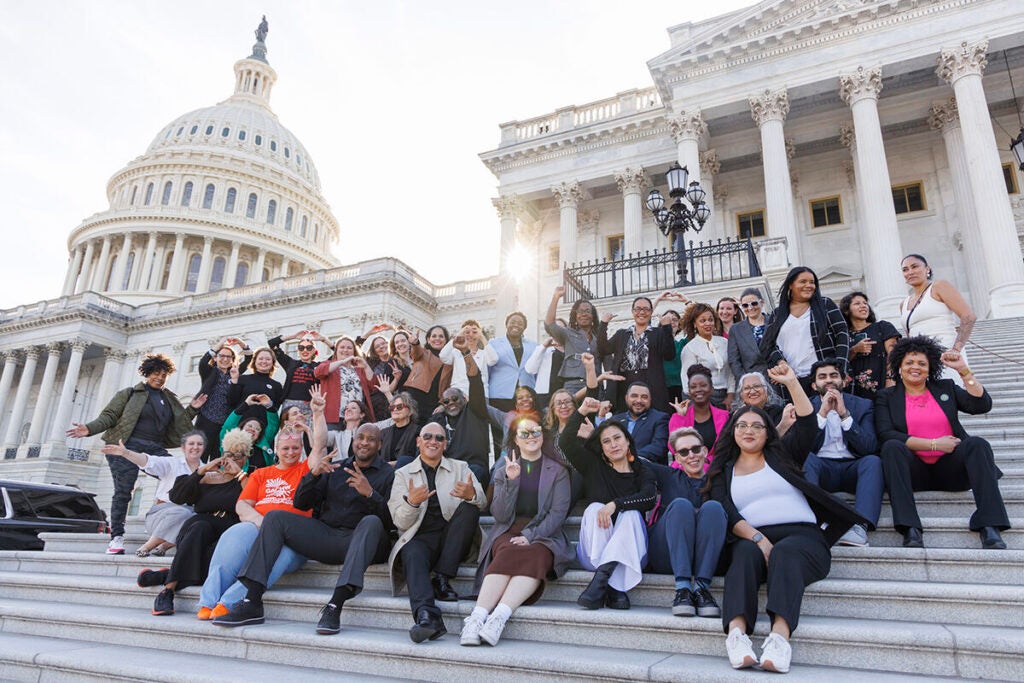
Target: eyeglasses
[641, 309]
[306, 347]
[752, 390]
[565, 403]
[750, 427]
[440, 438]
[751, 304]
[237, 455]
[397, 406]
[530, 433]
[684, 452]
[226, 356]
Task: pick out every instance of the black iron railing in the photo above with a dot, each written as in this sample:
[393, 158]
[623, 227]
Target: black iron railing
[714, 261]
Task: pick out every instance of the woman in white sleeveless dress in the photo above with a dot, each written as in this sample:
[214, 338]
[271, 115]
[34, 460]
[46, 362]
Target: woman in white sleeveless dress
[932, 310]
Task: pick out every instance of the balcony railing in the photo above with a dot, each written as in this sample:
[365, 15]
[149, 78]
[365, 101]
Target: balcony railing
[706, 263]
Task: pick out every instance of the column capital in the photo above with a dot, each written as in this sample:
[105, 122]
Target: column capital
[847, 138]
[771, 105]
[179, 237]
[688, 125]
[709, 163]
[235, 244]
[33, 353]
[12, 356]
[631, 180]
[568, 195]
[55, 348]
[78, 344]
[508, 206]
[963, 60]
[208, 241]
[864, 83]
[262, 251]
[943, 115]
[178, 347]
[116, 355]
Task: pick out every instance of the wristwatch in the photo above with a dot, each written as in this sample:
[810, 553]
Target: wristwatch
[756, 538]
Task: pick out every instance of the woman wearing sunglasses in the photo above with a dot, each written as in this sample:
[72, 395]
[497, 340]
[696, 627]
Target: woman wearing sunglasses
[298, 372]
[775, 517]
[745, 336]
[526, 546]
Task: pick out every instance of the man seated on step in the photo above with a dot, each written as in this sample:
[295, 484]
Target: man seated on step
[843, 457]
[352, 528]
[435, 503]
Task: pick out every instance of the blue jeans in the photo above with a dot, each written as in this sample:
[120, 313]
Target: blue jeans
[862, 477]
[229, 556]
[686, 541]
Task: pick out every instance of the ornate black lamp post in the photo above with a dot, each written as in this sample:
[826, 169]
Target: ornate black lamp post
[675, 220]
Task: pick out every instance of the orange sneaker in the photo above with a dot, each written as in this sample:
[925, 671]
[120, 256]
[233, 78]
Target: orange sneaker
[205, 614]
[219, 611]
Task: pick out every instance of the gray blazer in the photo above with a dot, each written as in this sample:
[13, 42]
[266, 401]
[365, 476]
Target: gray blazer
[546, 528]
[744, 354]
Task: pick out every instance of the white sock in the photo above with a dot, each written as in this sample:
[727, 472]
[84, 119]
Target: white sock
[503, 610]
[479, 612]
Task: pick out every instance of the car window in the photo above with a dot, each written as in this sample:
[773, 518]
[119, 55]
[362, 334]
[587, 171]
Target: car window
[21, 506]
[61, 504]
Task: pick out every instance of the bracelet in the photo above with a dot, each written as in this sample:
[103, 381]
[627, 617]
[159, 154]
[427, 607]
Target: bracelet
[964, 372]
[933, 445]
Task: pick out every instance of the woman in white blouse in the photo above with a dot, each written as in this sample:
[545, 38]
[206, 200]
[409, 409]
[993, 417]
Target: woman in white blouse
[708, 349]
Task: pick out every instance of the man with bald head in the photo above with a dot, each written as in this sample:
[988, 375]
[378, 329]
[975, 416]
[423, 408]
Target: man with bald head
[352, 529]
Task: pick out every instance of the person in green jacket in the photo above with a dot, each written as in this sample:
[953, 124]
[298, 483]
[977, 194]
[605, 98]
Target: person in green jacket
[149, 419]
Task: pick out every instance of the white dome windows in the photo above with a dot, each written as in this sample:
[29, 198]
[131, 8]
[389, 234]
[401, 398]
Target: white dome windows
[302, 230]
[192, 280]
[258, 140]
[194, 130]
[165, 198]
[209, 129]
[186, 194]
[289, 215]
[241, 136]
[273, 145]
[149, 194]
[225, 132]
[135, 191]
[241, 274]
[208, 196]
[229, 200]
[250, 208]
[217, 274]
[271, 211]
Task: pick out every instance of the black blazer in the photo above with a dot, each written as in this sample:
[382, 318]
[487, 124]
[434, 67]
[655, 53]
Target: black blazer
[833, 514]
[650, 434]
[661, 346]
[860, 437]
[891, 408]
[209, 373]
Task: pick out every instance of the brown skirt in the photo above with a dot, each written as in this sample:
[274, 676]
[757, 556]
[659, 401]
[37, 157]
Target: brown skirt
[534, 561]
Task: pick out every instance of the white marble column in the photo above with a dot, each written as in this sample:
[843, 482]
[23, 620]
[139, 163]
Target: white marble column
[568, 197]
[285, 264]
[507, 299]
[159, 263]
[881, 251]
[962, 68]
[205, 266]
[113, 364]
[709, 166]
[99, 275]
[256, 274]
[179, 262]
[21, 398]
[688, 127]
[121, 265]
[631, 183]
[229, 274]
[148, 263]
[769, 110]
[42, 409]
[85, 277]
[62, 422]
[11, 359]
[945, 118]
[72, 275]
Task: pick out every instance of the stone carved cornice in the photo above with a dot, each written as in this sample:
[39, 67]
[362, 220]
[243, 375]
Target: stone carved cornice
[688, 125]
[507, 205]
[943, 114]
[864, 83]
[964, 60]
[771, 105]
[117, 355]
[631, 180]
[568, 195]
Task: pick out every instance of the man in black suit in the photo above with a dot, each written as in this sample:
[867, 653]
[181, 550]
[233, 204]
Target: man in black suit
[647, 425]
[844, 454]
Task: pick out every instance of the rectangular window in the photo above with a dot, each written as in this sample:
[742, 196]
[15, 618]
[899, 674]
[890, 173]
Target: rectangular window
[554, 264]
[1010, 176]
[193, 364]
[908, 198]
[616, 247]
[750, 224]
[826, 211]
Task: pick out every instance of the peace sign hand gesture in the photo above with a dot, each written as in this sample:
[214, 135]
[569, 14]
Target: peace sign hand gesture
[512, 467]
[358, 481]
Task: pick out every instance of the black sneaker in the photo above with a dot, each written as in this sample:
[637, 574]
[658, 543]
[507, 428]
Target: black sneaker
[151, 577]
[705, 603]
[163, 606]
[683, 605]
[244, 613]
[616, 599]
[330, 620]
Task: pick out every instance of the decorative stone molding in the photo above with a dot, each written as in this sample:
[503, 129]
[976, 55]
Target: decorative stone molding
[78, 344]
[790, 148]
[848, 167]
[55, 348]
[33, 353]
[568, 195]
[794, 181]
[771, 105]
[119, 356]
[847, 138]
[507, 205]
[272, 332]
[709, 163]
[313, 325]
[943, 114]
[588, 220]
[861, 84]
[12, 356]
[631, 180]
[688, 125]
[720, 191]
[965, 60]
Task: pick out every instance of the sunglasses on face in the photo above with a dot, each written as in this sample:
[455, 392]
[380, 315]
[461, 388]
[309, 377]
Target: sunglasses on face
[396, 407]
[684, 452]
[440, 438]
[306, 347]
[530, 433]
[751, 304]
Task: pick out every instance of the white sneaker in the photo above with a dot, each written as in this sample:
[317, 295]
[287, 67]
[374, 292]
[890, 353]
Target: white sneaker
[471, 626]
[491, 632]
[116, 546]
[740, 649]
[775, 654]
[856, 536]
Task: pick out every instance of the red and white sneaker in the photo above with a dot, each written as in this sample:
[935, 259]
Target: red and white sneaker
[116, 546]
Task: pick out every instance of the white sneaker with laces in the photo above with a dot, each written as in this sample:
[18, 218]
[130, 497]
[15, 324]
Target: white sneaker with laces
[740, 650]
[491, 632]
[855, 536]
[471, 626]
[116, 546]
[775, 654]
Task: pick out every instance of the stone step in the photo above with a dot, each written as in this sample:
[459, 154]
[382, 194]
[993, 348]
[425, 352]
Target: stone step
[382, 652]
[564, 642]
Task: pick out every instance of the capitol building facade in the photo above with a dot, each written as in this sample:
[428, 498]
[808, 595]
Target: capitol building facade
[839, 134]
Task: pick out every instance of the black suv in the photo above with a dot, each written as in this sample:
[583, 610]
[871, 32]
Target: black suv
[26, 509]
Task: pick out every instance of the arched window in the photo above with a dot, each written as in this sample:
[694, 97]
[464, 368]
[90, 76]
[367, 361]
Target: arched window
[135, 191]
[271, 211]
[302, 230]
[217, 274]
[225, 132]
[193, 131]
[241, 135]
[186, 194]
[250, 209]
[178, 134]
[149, 194]
[128, 270]
[259, 140]
[209, 130]
[287, 153]
[273, 145]
[229, 201]
[288, 216]
[165, 199]
[266, 274]
[192, 281]
[316, 233]
[241, 274]
[208, 197]
[166, 278]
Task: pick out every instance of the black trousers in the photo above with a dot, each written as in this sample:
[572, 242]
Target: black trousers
[971, 465]
[440, 552]
[356, 549]
[124, 474]
[194, 548]
[212, 431]
[799, 557]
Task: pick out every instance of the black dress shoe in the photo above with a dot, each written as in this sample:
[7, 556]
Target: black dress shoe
[428, 626]
[443, 590]
[596, 593]
[616, 599]
[990, 539]
[912, 538]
